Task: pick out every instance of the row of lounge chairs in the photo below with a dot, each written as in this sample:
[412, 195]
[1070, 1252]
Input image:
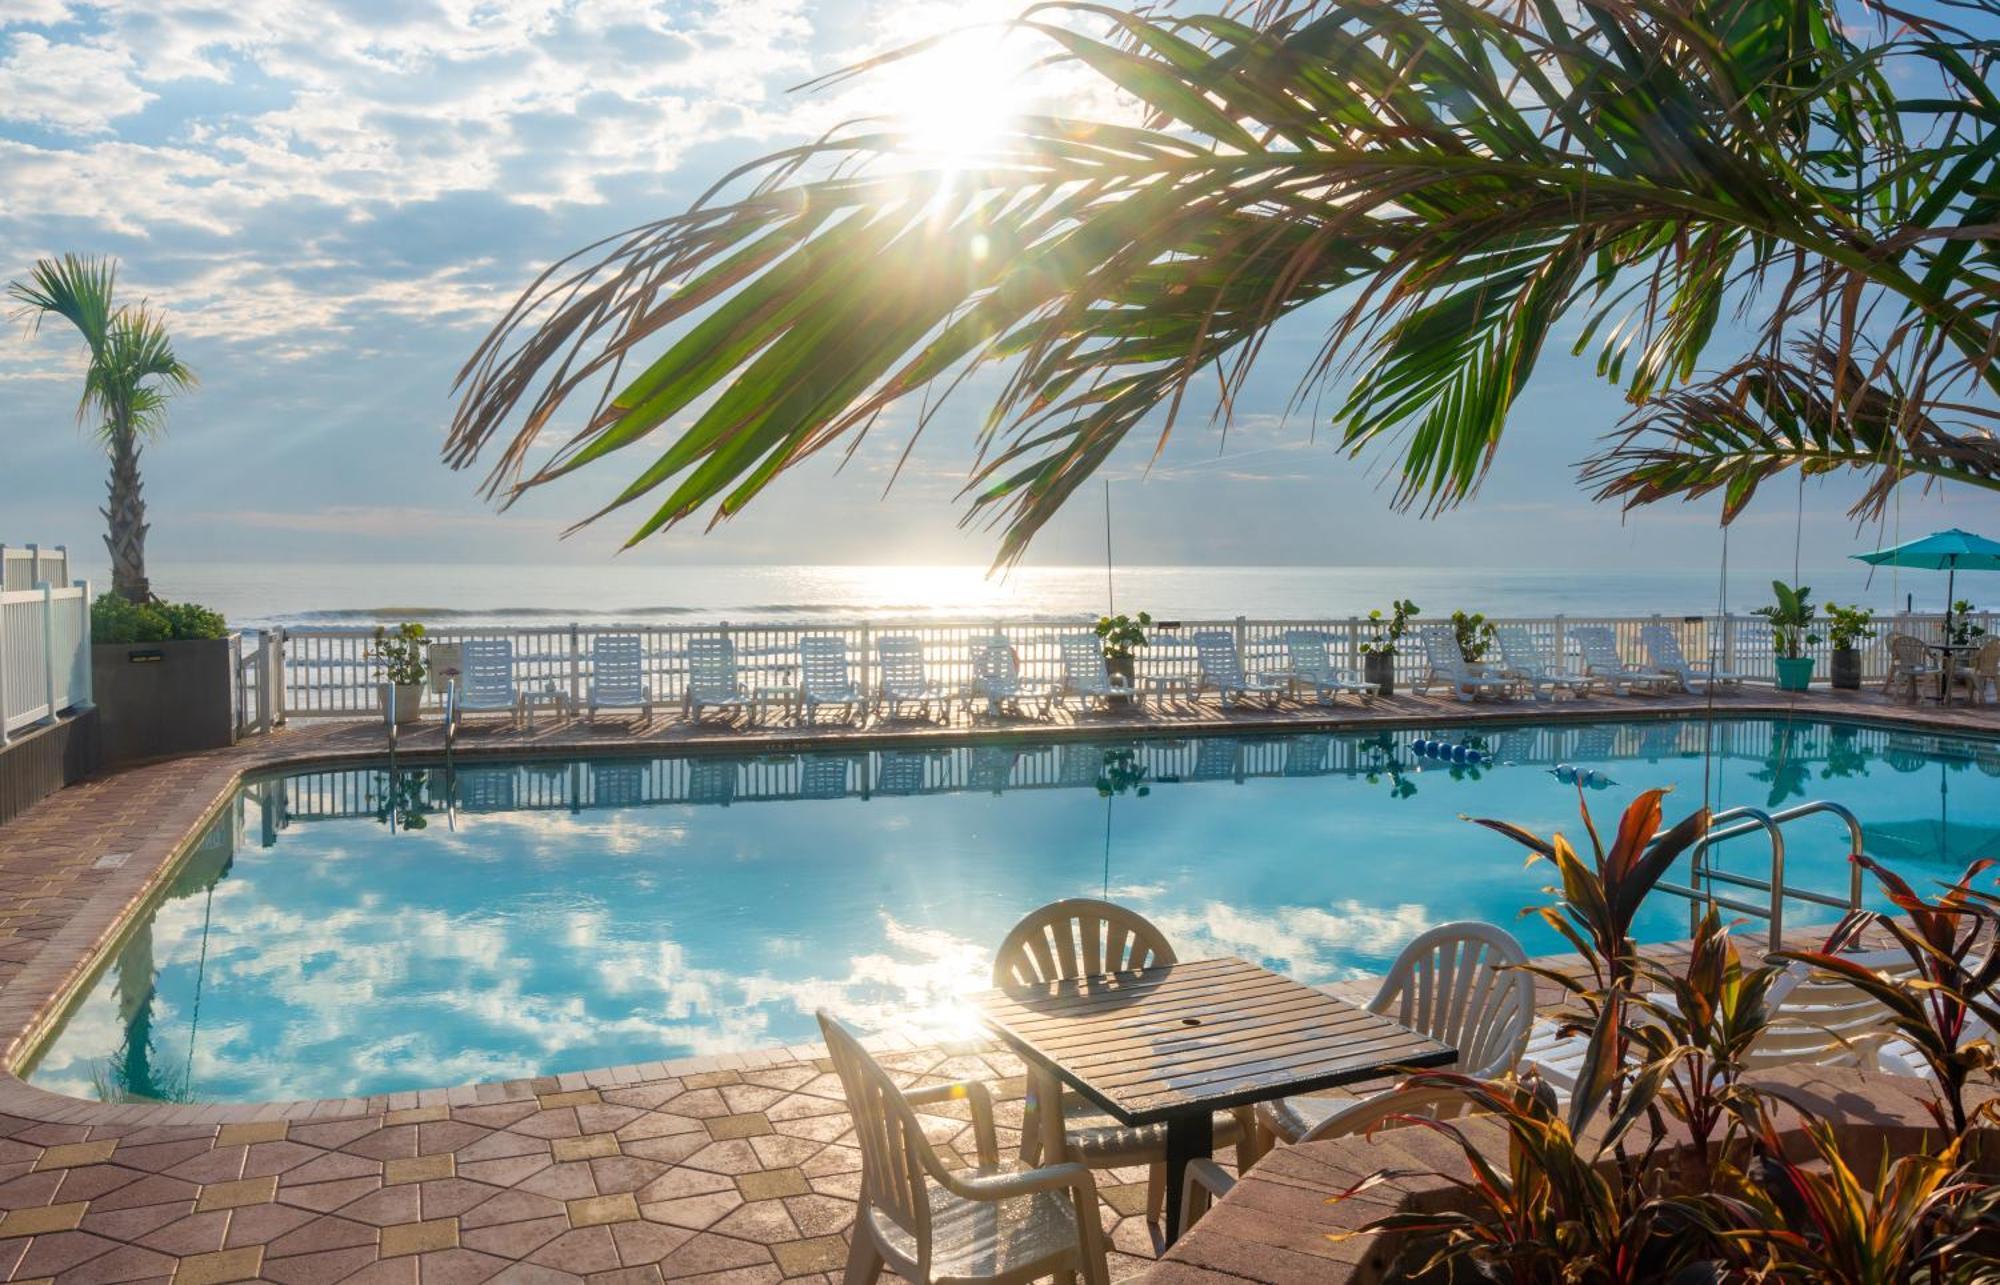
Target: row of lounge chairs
[824, 676]
[1525, 668]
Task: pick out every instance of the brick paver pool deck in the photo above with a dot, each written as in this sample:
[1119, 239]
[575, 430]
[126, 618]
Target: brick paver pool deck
[733, 1168]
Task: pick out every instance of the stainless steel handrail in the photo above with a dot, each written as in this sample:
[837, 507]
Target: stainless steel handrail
[1738, 821]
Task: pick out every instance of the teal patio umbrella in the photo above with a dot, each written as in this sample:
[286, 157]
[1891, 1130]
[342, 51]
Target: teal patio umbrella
[1947, 551]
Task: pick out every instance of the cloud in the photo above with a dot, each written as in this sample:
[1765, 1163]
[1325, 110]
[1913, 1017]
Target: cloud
[72, 87]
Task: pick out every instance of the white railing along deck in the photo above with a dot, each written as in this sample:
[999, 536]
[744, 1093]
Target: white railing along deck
[44, 654]
[23, 566]
[328, 672]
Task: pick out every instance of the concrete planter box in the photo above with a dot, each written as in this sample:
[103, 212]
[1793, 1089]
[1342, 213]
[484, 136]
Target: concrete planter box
[155, 700]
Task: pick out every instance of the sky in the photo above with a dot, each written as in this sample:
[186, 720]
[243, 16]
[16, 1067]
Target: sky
[332, 200]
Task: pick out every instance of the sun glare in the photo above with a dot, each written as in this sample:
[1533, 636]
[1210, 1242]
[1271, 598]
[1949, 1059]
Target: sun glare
[954, 101]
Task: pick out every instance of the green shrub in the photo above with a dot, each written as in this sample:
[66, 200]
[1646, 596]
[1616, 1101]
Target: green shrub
[116, 620]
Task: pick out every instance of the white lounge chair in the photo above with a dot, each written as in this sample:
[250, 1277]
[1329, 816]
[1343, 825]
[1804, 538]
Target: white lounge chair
[1449, 669]
[620, 784]
[1084, 937]
[1522, 656]
[487, 789]
[1085, 673]
[1665, 651]
[996, 679]
[825, 776]
[712, 680]
[1461, 984]
[1599, 645]
[712, 780]
[618, 675]
[903, 680]
[486, 678]
[1309, 663]
[1222, 669]
[1816, 1020]
[824, 677]
[927, 1221]
[903, 771]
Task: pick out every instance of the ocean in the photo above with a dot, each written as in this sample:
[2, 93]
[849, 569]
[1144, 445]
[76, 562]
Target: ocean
[259, 595]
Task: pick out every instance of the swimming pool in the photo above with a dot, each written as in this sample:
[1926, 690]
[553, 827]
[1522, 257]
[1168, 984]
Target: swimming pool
[360, 931]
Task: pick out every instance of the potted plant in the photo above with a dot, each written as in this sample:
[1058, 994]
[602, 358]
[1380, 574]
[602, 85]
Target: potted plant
[1847, 626]
[1120, 634]
[1958, 631]
[401, 660]
[1474, 634]
[162, 676]
[1378, 653]
[1791, 620]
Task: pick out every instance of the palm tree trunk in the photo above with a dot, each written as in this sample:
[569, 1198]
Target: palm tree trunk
[125, 520]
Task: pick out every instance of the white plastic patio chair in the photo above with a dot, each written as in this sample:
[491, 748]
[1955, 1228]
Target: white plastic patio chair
[1222, 669]
[1666, 654]
[1084, 672]
[825, 776]
[712, 679]
[1448, 669]
[1599, 645]
[1522, 656]
[1910, 666]
[486, 678]
[712, 780]
[824, 677]
[997, 681]
[617, 784]
[1309, 663]
[487, 789]
[927, 1222]
[618, 675]
[1458, 983]
[1354, 1118]
[1084, 937]
[903, 679]
[902, 771]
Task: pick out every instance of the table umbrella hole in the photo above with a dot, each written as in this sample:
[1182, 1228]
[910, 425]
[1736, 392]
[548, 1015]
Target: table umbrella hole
[1190, 1021]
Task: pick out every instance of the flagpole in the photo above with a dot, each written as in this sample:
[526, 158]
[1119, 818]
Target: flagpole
[1110, 596]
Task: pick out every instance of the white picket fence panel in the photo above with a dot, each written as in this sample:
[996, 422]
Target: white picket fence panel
[23, 566]
[44, 654]
[327, 672]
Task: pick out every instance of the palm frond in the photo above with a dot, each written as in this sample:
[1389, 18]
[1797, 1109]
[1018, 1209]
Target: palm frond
[1460, 180]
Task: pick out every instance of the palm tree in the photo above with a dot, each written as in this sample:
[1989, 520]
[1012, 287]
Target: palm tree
[132, 372]
[1773, 225]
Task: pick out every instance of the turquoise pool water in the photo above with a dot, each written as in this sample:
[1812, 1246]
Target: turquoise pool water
[362, 931]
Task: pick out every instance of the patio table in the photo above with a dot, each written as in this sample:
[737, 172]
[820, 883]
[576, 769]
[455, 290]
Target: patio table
[1948, 654]
[1177, 1042]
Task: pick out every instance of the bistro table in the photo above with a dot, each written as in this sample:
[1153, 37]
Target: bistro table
[1948, 654]
[1177, 1042]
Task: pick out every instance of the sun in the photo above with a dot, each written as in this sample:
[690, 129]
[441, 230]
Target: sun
[954, 102]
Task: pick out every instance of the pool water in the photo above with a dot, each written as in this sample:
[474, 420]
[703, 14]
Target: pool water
[362, 931]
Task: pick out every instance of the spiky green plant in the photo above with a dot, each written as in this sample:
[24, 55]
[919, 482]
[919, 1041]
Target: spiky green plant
[1769, 220]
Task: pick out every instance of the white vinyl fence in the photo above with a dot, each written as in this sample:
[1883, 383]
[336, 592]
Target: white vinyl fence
[328, 672]
[44, 638]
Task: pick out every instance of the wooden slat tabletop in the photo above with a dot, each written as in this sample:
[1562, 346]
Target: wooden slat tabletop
[1152, 1043]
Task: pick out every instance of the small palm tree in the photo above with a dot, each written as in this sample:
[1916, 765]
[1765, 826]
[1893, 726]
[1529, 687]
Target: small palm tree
[1771, 221]
[132, 372]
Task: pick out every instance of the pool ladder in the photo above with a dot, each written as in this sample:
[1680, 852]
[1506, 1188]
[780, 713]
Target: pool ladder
[1732, 823]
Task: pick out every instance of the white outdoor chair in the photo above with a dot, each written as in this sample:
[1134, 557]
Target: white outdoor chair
[1979, 673]
[1222, 669]
[1599, 645]
[1084, 671]
[1355, 1118]
[1458, 983]
[1309, 663]
[712, 780]
[1666, 654]
[618, 675]
[617, 784]
[712, 679]
[1910, 666]
[486, 678]
[1523, 657]
[997, 681]
[929, 1223]
[1448, 669]
[824, 677]
[1084, 937]
[487, 789]
[903, 680]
